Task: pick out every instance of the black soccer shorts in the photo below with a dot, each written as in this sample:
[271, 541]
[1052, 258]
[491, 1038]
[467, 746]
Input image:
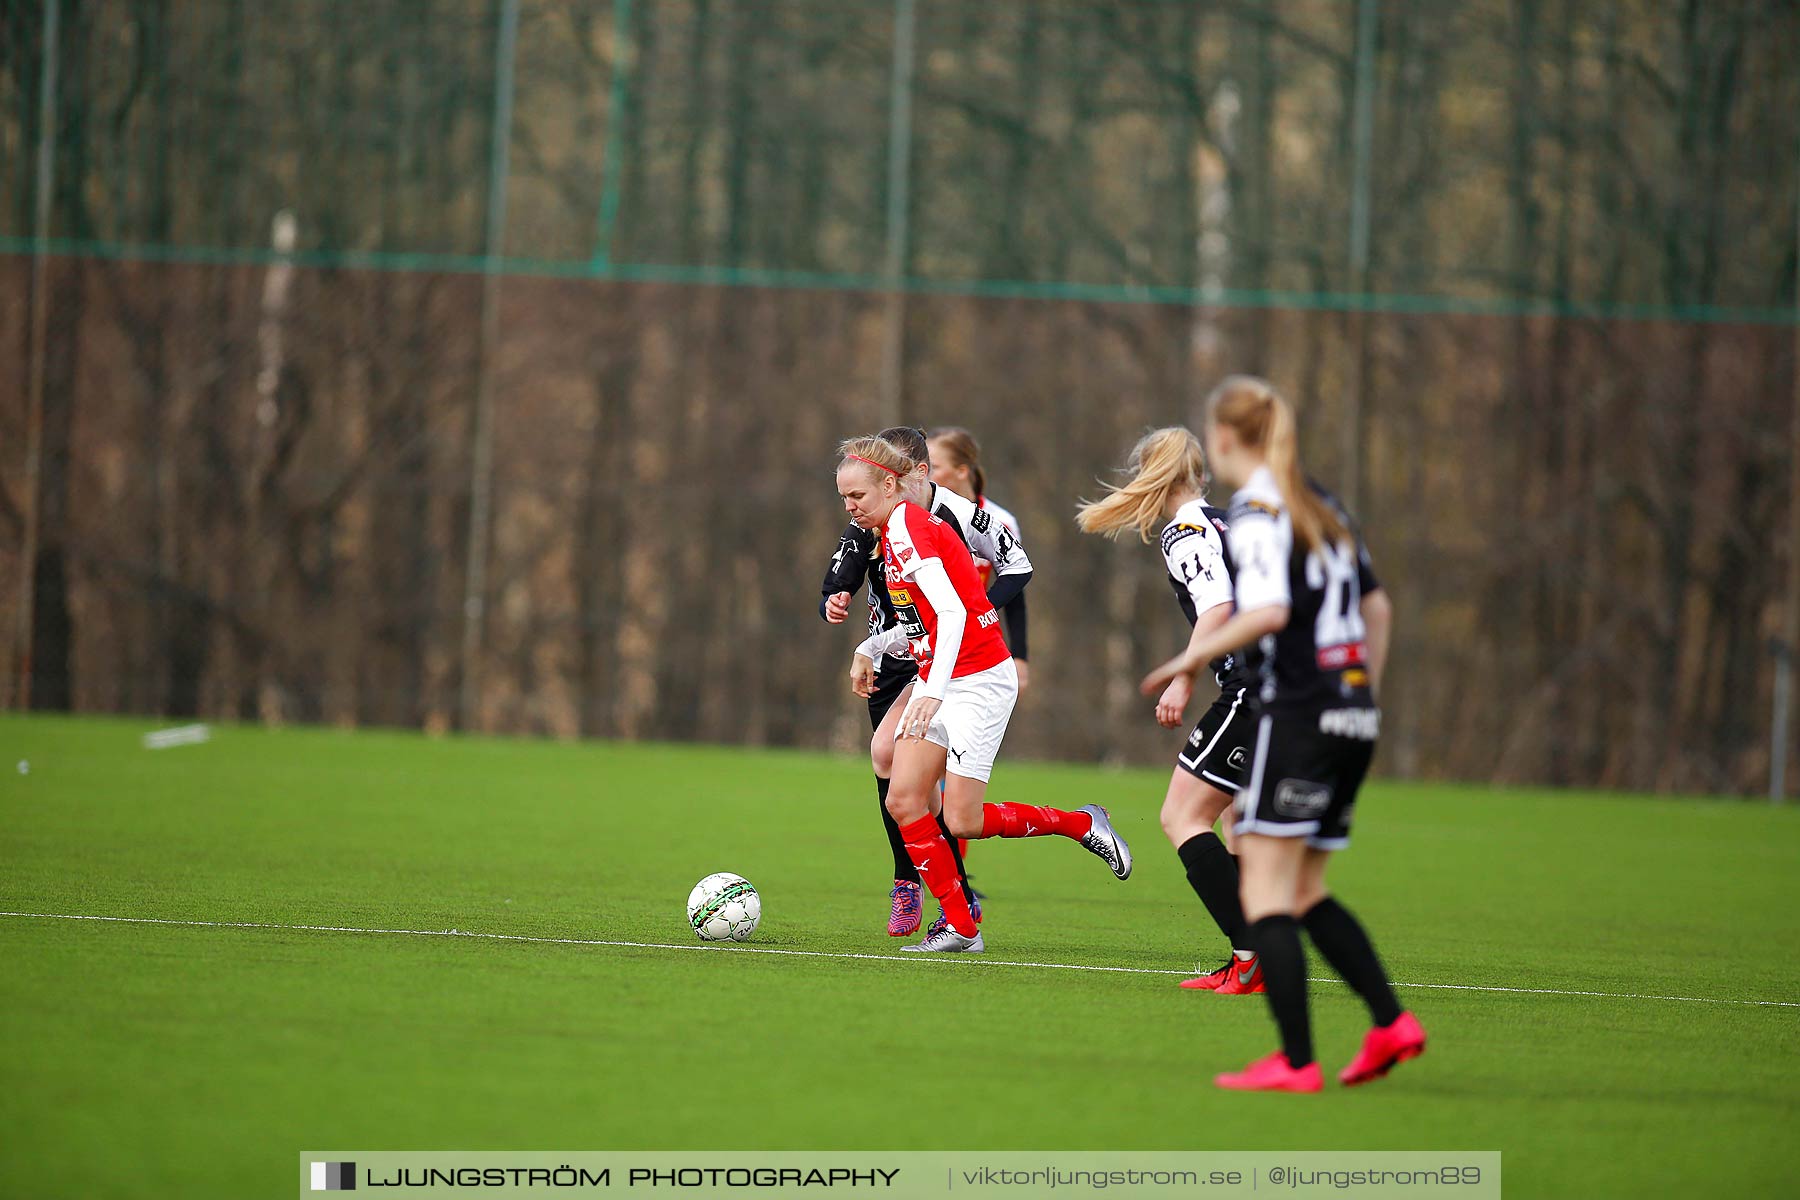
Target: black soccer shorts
[1219, 748]
[891, 679]
[1304, 774]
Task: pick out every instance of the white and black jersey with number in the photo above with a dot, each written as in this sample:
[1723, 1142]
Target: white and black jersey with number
[858, 561]
[1319, 659]
[1318, 718]
[1197, 556]
[1198, 561]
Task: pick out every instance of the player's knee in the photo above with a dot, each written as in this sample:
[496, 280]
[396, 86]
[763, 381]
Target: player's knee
[1186, 816]
[963, 823]
[1176, 821]
[881, 754]
[906, 805]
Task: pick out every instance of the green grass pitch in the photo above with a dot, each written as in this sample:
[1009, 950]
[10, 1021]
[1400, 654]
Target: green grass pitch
[153, 1060]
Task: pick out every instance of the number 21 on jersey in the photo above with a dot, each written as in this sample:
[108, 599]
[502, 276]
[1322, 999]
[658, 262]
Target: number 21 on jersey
[1338, 630]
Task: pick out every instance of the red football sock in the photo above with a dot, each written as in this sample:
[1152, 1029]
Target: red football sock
[1032, 820]
[930, 852]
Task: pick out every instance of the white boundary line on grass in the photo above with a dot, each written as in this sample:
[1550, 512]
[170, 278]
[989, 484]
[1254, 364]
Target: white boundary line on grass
[893, 958]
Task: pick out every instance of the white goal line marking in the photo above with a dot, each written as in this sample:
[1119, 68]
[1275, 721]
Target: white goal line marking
[717, 947]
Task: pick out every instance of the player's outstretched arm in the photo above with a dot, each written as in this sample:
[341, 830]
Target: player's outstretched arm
[1175, 697]
[1239, 631]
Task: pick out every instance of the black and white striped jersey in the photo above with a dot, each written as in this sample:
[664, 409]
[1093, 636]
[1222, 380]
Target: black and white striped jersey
[989, 540]
[1319, 660]
[1013, 613]
[858, 558]
[1198, 560]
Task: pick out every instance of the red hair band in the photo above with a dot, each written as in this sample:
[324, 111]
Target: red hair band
[873, 463]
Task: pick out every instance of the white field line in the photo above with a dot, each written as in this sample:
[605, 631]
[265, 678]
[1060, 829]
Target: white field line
[890, 958]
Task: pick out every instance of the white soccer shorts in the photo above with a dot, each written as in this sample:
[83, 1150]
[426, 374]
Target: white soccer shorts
[971, 722]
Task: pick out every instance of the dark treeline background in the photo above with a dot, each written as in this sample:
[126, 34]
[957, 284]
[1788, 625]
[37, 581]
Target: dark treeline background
[1535, 301]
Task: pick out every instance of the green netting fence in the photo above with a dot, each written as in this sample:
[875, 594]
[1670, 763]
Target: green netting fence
[476, 363]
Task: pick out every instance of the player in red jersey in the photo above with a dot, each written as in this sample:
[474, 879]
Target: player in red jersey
[957, 716]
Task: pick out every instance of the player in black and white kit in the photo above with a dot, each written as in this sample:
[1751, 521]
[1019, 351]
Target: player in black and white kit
[956, 466]
[1310, 606]
[1165, 480]
[858, 560]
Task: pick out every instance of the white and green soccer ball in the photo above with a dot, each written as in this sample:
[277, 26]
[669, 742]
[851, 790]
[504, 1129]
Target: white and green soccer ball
[724, 907]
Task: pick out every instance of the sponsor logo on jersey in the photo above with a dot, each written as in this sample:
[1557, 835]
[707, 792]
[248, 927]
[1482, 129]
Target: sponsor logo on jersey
[1356, 677]
[988, 618]
[908, 615]
[1363, 724]
[1264, 507]
[1193, 568]
[1178, 531]
[906, 553]
[1336, 658]
[899, 595]
[1238, 758]
[1302, 800]
[981, 520]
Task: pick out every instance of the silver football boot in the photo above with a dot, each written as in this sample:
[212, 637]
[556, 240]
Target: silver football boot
[1104, 841]
[948, 941]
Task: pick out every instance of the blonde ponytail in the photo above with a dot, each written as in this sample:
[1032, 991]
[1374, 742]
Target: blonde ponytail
[1164, 462]
[1254, 410]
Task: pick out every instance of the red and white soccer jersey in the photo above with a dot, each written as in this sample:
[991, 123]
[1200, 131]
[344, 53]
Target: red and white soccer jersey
[931, 576]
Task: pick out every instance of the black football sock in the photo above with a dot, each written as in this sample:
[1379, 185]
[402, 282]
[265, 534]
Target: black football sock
[1276, 941]
[1341, 939]
[903, 863]
[1212, 873]
[956, 853]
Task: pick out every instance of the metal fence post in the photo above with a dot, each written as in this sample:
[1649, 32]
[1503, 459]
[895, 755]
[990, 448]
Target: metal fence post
[1788, 644]
[899, 184]
[481, 468]
[612, 156]
[1781, 726]
[40, 324]
[1363, 135]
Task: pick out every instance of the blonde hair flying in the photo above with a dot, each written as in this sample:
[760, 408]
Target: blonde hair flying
[1164, 462]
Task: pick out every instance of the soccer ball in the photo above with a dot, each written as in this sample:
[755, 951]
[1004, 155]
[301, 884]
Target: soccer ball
[724, 906]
